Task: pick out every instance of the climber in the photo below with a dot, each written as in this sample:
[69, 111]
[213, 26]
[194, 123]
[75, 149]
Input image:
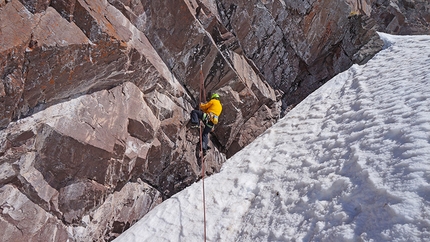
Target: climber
[208, 113]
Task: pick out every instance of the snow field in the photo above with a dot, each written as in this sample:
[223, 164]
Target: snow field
[349, 163]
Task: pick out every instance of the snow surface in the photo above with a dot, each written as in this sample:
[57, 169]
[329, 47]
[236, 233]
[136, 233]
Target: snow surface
[349, 163]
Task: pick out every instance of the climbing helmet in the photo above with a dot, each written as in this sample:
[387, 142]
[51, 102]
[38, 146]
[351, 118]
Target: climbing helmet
[215, 95]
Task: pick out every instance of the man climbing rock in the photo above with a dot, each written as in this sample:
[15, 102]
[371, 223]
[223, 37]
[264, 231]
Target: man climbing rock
[208, 113]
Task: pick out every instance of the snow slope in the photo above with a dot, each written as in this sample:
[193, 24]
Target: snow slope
[349, 163]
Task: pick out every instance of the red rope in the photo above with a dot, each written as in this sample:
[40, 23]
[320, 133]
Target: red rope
[202, 96]
[202, 86]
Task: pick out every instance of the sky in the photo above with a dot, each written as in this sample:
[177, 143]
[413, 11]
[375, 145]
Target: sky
[349, 163]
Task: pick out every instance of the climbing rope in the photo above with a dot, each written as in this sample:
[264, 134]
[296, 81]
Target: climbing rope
[202, 97]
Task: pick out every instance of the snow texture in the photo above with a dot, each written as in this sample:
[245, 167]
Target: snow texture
[349, 163]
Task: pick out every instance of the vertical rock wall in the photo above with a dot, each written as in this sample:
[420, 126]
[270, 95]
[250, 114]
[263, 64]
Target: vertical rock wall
[189, 37]
[100, 131]
[297, 45]
[95, 96]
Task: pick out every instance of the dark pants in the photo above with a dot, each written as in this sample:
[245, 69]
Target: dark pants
[196, 116]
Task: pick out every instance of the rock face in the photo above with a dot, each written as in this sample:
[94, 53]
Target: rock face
[404, 17]
[80, 163]
[100, 134]
[95, 96]
[297, 45]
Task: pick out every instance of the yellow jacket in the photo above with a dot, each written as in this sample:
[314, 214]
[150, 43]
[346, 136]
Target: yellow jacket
[213, 106]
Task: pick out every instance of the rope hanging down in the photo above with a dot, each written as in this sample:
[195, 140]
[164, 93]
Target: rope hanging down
[202, 97]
